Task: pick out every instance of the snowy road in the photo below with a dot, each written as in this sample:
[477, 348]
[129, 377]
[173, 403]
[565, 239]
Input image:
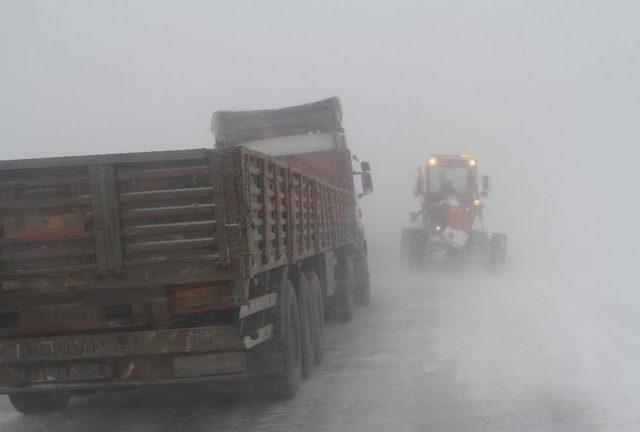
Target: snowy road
[431, 353]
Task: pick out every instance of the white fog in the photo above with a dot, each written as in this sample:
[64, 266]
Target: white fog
[545, 94]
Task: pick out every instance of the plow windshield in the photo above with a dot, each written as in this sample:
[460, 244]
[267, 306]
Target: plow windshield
[444, 180]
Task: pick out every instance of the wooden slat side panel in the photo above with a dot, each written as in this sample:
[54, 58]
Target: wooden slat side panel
[292, 214]
[45, 220]
[168, 210]
[217, 182]
[106, 219]
[239, 210]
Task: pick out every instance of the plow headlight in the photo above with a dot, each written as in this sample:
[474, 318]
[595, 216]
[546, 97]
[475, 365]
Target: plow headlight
[476, 203]
[432, 161]
[472, 162]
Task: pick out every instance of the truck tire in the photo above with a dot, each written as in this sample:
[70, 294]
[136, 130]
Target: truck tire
[363, 284]
[305, 308]
[40, 402]
[497, 253]
[342, 303]
[318, 329]
[286, 346]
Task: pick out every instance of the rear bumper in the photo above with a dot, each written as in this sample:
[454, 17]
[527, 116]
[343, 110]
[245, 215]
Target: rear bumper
[99, 385]
[122, 359]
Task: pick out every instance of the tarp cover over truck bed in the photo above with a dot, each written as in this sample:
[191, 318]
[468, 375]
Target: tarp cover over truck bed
[238, 127]
[308, 136]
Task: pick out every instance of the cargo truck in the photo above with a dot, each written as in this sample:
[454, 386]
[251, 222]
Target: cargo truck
[181, 266]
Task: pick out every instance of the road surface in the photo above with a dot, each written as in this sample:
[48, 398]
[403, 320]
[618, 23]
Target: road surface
[433, 352]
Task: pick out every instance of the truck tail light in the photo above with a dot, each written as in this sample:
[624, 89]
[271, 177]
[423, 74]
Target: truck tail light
[5, 377]
[201, 297]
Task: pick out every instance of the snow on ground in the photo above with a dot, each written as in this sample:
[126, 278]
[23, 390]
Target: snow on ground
[532, 344]
[529, 351]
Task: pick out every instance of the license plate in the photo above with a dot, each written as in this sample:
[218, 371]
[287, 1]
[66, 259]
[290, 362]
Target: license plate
[67, 373]
[62, 225]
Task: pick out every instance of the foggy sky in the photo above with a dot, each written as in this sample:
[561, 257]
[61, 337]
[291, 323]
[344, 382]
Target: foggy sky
[545, 93]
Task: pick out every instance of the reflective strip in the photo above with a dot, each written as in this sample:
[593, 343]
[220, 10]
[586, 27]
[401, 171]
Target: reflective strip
[128, 344]
[258, 336]
[257, 304]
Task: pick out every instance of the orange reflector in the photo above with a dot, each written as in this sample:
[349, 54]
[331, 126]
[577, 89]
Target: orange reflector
[194, 298]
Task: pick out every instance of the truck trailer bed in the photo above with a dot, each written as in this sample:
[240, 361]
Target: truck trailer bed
[137, 267]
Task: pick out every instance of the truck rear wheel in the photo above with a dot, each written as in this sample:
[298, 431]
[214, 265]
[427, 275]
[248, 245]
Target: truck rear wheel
[287, 346]
[305, 308]
[40, 402]
[342, 303]
[317, 314]
[363, 285]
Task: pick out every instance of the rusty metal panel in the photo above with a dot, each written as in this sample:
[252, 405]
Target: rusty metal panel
[209, 364]
[106, 219]
[268, 211]
[39, 226]
[45, 222]
[163, 218]
[80, 161]
[227, 180]
[258, 336]
[242, 213]
[282, 212]
[265, 211]
[254, 208]
[289, 210]
[48, 318]
[139, 274]
[127, 344]
[167, 210]
[258, 304]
